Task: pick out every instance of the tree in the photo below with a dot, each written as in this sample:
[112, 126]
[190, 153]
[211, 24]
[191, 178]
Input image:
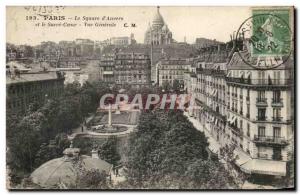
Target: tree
[108, 151]
[44, 154]
[61, 143]
[69, 114]
[50, 110]
[176, 85]
[166, 86]
[207, 174]
[91, 179]
[227, 153]
[88, 179]
[166, 149]
[26, 141]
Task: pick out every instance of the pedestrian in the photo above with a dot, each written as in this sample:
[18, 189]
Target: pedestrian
[81, 128]
[114, 169]
[117, 171]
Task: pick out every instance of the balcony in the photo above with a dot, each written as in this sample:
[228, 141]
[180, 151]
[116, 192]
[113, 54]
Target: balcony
[248, 115]
[261, 102]
[271, 140]
[236, 130]
[277, 102]
[277, 157]
[277, 119]
[260, 82]
[261, 118]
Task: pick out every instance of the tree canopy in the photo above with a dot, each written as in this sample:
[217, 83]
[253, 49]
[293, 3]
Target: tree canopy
[168, 152]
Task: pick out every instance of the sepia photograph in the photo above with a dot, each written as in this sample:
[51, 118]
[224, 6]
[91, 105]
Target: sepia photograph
[150, 98]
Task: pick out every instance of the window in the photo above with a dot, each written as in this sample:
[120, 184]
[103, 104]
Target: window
[241, 108]
[276, 114]
[241, 125]
[261, 131]
[276, 132]
[248, 111]
[261, 77]
[276, 96]
[248, 147]
[276, 77]
[261, 96]
[262, 153]
[248, 130]
[261, 114]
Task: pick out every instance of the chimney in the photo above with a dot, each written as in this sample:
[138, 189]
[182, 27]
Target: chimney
[95, 154]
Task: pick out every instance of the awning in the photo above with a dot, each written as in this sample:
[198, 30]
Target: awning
[214, 146]
[215, 92]
[267, 167]
[247, 74]
[233, 119]
[259, 166]
[216, 121]
[241, 73]
[241, 157]
[228, 74]
[229, 119]
[270, 75]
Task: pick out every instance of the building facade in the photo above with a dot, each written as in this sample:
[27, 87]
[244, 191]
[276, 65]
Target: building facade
[247, 108]
[106, 68]
[133, 69]
[171, 69]
[123, 40]
[27, 88]
[259, 115]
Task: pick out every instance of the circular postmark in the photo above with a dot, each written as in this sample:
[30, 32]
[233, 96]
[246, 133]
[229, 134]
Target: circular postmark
[268, 41]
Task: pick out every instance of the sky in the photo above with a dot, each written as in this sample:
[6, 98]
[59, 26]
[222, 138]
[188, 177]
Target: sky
[190, 22]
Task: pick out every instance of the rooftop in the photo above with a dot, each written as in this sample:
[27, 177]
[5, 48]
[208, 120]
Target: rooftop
[237, 63]
[63, 170]
[32, 77]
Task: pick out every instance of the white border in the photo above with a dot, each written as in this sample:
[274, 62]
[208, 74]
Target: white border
[4, 3]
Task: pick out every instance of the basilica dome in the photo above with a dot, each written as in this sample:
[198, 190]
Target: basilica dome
[158, 21]
[158, 33]
[165, 28]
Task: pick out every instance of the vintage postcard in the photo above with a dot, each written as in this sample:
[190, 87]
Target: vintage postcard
[150, 98]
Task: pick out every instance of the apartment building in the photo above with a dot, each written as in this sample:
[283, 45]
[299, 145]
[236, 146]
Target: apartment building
[133, 69]
[171, 69]
[248, 108]
[259, 114]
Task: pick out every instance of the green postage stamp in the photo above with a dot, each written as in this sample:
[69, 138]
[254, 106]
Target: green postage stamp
[271, 34]
[269, 37]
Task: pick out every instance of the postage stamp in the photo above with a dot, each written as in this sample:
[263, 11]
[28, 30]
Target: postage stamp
[269, 38]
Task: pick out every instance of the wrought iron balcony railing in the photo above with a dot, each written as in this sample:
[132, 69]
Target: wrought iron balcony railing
[277, 102]
[277, 119]
[269, 139]
[272, 82]
[261, 102]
